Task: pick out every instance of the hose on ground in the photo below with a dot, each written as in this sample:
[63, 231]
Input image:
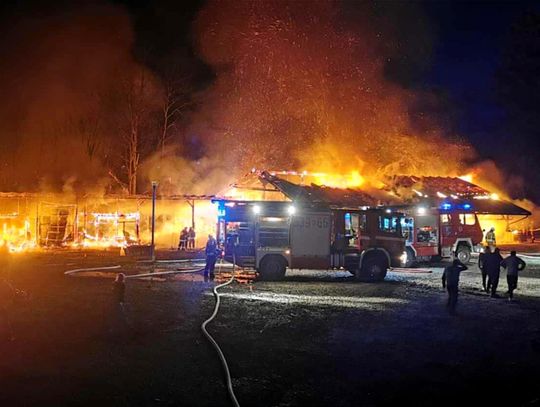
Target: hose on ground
[213, 341]
[154, 274]
[67, 273]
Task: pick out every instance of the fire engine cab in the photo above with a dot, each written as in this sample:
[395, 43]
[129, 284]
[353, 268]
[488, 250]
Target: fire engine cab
[271, 236]
[443, 232]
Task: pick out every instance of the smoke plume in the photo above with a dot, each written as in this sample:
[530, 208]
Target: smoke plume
[57, 69]
[305, 85]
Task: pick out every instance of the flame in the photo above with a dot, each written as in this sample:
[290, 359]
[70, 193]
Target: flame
[16, 236]
[467, 177]
[353, 179]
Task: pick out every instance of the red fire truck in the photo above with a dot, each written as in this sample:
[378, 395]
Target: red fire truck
[442, 232]
[271, 236]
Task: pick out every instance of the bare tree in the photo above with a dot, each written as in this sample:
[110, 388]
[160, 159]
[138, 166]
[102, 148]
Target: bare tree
[174, 102]
[138, 106]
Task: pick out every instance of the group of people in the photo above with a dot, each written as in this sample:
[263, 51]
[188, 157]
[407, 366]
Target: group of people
[187, 239]
[489, 263]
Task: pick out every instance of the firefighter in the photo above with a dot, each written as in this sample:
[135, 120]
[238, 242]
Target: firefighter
[450, 281]
[211, 257]
[182, 244]
[513, 265]
[191, 238]
[482, 267]
[492, 263]
[490, 238]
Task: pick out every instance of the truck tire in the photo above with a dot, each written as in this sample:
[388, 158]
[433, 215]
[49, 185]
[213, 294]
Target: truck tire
[463, 253]
[272, 268]
[411, 258]
[374, 268]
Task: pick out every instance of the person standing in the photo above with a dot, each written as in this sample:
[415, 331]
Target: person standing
[492, 262]
[482, 266]
[513, 265]
[118, 318]
[191, 238]
[183, 239]
[490, 239]
[211, 257]
[450, 281]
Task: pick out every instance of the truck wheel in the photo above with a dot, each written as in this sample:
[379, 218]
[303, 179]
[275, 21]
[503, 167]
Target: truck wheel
[272, 268]
[374, 268]
[463, 254]
[411, 258]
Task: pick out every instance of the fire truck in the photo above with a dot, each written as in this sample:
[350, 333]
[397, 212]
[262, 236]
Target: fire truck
[441, 232]
[271, 236]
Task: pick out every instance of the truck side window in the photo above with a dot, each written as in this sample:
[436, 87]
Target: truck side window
[467, 219]
[445, 218]
[389, 224]
[407, 228]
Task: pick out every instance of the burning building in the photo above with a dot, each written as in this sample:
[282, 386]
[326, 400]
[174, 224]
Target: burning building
[32, 220]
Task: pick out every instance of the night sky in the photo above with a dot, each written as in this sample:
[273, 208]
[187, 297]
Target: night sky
[481, 60]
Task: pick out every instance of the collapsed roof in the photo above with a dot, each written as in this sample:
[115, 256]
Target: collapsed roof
[445, 193]
[317, 195]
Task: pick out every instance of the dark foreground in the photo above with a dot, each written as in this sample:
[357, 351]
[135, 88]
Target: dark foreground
[311, 340]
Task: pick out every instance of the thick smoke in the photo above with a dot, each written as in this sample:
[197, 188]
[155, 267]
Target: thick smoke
[305, 85]
[59, 70]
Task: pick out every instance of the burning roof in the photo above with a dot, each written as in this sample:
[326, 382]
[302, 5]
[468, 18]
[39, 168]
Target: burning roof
[435, 186]
[317, 194]
[443, 192]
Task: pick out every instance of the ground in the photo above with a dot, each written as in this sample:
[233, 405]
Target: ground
[317, 338]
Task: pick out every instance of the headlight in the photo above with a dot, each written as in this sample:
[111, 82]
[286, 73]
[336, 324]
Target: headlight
[403, 258]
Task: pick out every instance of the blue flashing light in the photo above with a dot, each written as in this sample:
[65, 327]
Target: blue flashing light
[446, 206]
[221, 211]
[467, 206]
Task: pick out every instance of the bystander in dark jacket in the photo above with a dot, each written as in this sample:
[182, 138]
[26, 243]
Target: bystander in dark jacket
[492, 263]
[513, 265]
[482, 266]
[450, 280]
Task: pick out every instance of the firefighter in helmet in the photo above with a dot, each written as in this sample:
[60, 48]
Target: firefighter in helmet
[490, 238]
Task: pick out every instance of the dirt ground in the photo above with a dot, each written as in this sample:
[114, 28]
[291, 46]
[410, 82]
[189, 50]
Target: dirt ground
[317, 338]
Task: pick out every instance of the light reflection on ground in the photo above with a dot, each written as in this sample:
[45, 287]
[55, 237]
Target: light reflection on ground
[318, 300]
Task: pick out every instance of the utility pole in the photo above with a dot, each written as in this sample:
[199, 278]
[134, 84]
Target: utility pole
[153, 248]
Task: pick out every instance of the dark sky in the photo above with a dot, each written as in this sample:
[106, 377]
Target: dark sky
[471, 37]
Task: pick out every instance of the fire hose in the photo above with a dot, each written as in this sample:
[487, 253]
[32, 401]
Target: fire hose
[67, 273]
[213, 341]
[203, 325]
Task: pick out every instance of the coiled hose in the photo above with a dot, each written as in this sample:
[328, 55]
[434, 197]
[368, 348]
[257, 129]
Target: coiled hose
[213, 341]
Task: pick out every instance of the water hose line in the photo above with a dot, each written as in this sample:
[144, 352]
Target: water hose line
[213, 341]
[67, 273]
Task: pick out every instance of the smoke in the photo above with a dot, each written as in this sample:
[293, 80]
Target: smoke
[56, 69]
[178, 175]
[305, 85]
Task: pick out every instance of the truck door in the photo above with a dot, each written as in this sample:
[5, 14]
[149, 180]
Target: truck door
[310, 240]
[426, 240]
